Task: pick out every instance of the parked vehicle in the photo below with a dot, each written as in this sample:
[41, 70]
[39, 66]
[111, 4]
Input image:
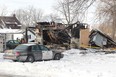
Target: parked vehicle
[31, 53]
[11, 44]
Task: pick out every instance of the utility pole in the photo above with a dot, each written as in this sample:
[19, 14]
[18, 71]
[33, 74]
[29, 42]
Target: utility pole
[26, 35]
[41, 34]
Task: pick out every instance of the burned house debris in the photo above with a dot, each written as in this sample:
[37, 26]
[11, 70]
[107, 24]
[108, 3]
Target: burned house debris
[79, 31]
[98, 38]
[75, 35]
[57, 33]
[51, 33]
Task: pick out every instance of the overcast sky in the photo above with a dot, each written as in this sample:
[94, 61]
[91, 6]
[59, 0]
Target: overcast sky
[45, 5]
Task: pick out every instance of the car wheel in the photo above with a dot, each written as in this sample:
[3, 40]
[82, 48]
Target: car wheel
[57, 57]
[30, 59]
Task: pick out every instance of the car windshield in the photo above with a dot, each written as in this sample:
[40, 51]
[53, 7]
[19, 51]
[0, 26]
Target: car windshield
[43, 48]
[21, 47]
[16, 42]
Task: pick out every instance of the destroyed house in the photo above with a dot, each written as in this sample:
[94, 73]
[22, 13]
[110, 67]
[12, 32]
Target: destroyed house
[9, 22]
[98, 38]
[51, 32]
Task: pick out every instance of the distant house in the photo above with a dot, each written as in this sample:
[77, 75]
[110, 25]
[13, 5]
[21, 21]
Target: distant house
[9, 27]
[9, 22]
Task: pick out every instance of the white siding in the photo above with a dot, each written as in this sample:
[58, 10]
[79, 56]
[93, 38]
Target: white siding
[19, 36]
[31, 36]
[9, 37]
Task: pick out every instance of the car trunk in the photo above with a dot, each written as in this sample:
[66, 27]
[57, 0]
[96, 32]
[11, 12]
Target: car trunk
[9, 54]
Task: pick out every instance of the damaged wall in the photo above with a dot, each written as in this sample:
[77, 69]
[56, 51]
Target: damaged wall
[79, 35]
[84, 37]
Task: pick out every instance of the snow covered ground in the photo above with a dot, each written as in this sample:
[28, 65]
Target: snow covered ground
[73, 64]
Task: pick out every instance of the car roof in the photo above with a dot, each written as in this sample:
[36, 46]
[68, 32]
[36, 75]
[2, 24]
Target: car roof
[12, 40]
[29, 44]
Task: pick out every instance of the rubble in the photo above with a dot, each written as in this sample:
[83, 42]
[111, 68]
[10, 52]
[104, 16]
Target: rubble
[53, 33]
[73, 36]
[98, 38]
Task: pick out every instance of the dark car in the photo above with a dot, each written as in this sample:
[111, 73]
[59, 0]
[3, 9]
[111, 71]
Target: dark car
[11, 44]
[31, 53]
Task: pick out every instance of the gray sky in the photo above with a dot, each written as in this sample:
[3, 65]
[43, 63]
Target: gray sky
[45, 5]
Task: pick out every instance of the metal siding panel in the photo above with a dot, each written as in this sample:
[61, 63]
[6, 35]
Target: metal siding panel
[98, 39]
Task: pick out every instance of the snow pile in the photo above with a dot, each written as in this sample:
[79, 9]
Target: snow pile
[2, 60]
[73, 64]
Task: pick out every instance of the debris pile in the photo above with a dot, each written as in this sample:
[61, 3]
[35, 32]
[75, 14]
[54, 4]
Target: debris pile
[53, 33]
[98, 38]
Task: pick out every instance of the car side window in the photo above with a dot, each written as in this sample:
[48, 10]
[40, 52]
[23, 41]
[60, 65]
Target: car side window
[43, 48]
[35, 48]
[10, 42]
[16, 42]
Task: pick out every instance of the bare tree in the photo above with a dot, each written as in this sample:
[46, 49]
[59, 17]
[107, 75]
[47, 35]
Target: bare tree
[29, 16]
[3, 11]
[73, 10]
[107, 14]
[52, 17]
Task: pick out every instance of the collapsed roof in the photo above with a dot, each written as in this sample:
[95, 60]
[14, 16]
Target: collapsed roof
[56, 36]
[58, 33]
[52, 33]
[98, 38]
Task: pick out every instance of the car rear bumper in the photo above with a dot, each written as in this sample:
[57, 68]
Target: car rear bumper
[11, 57]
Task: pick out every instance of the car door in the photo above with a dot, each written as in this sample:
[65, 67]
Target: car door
[46, 53]
[37, 52]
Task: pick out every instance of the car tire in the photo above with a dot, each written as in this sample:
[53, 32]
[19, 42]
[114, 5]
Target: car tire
[57, 57]
[30, 58]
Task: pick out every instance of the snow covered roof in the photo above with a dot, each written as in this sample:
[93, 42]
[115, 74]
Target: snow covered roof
[11, 31]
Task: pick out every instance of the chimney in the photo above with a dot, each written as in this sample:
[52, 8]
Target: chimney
[14, 15]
